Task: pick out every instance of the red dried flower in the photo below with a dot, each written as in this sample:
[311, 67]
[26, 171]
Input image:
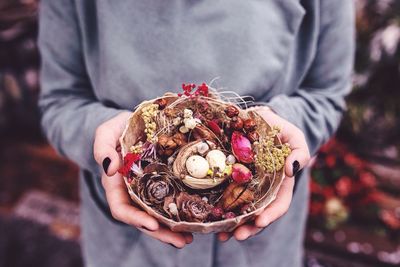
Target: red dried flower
[129, 160]
[202, 90]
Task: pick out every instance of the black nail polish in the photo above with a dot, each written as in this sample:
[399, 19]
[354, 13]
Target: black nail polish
[296, 167]
[106, 164]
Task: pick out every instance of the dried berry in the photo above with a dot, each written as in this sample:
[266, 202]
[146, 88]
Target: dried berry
[229, 215]
[161, 102]
[216, 213]
[236, 123]
[253, 136]
[231, 111]
[249, 125]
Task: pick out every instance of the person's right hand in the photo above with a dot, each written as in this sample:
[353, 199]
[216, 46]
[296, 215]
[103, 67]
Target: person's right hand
[105, 152]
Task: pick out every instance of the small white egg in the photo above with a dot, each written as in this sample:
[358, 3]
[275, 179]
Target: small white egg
[173, 208]
[197, 166]
[202, 148]
[216, 159]
[230, 160]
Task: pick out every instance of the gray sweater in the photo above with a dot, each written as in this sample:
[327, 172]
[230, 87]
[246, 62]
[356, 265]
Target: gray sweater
[99, 57]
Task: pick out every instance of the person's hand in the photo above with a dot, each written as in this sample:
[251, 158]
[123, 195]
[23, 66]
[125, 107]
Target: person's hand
[297, 159]
[106, 154]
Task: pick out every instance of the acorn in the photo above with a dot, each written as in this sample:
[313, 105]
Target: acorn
[249, 125]
[253, 136]
[236, 123]
[231, 111]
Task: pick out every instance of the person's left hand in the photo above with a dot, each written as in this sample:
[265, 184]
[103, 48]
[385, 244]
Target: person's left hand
[297, 159]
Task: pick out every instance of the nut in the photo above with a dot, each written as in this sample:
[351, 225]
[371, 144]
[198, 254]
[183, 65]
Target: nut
[231, 111]
[161, 102]
[236, 123]
[253, 136]
[249, 125]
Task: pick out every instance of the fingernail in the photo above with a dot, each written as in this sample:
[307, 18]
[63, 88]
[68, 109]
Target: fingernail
[296, 167]
[147, 229]
[106, 164]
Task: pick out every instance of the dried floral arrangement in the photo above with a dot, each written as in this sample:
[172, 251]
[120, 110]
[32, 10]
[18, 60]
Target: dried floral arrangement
[198, 162]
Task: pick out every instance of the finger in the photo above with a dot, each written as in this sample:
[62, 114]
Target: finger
[224, 236]
[188, 237]
[165, 235]
[119, 201]
[279, 206]
[245, 231]
[104, 149]
[300, 155]
[106, 141]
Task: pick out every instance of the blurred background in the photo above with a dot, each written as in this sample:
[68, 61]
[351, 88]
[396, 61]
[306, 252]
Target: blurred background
[355, 201]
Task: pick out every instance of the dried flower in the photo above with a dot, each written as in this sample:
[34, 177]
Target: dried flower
[269, 156]
[154, 187]
[129, 160]
[192, 208]
[241, 148]
[148, 115]
[240, 173]
[236, 195]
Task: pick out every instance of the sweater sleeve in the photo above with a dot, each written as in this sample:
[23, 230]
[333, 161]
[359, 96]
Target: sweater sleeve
[316, 107]
[70, 110]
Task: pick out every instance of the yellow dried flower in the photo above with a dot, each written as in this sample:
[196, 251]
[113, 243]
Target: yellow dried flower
[148, 115]
[269, 156]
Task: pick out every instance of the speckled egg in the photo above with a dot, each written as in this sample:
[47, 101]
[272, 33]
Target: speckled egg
[216, 159]
[197, 166]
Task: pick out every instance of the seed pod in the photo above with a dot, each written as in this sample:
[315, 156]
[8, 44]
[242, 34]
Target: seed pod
[236, 195]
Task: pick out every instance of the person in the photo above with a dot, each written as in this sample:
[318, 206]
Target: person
[100, 59]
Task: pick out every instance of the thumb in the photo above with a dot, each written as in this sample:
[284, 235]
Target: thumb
[105, 152]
